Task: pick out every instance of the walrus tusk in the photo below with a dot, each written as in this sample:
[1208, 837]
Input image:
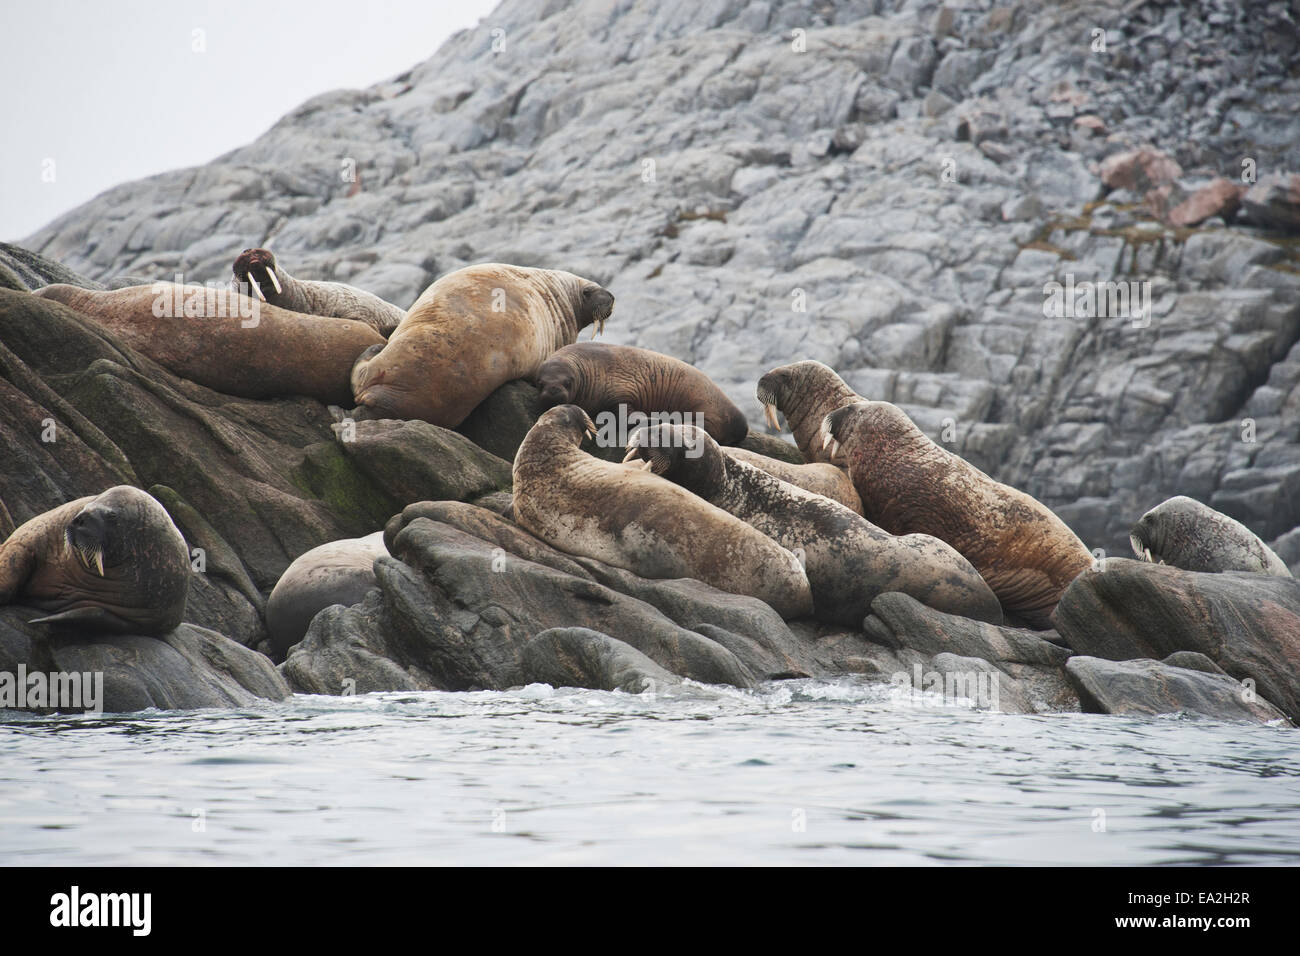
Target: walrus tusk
[270, 274]
[99, 561]
[255, 287]
[631, 453]
[835, 448]
[769, 410]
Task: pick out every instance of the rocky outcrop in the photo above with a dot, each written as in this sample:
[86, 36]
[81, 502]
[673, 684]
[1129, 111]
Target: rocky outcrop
[884, 187]
[188, 668]
[578, 657]
[466, 591]
[1247, 624]
[1146, 688]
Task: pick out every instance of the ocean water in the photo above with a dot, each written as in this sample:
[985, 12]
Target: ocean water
[796, 772]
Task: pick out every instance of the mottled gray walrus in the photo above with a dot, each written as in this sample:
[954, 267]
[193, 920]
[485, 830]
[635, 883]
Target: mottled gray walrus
[1187, 534]
[258, 273]
[849, 561]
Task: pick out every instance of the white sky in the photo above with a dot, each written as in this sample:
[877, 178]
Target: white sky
[112, 90]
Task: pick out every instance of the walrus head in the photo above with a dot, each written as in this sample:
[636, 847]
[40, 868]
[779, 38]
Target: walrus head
[558, 380]
[101, 535]
[569, 420]
[1147, 538]
[595, 308]
[793, 389]
[1193, 536]
[683, 454]
[255, 268]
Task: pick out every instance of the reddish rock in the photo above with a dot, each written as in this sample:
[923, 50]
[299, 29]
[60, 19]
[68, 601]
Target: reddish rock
[1220, 198]
[1091, 123]
[1139, 170]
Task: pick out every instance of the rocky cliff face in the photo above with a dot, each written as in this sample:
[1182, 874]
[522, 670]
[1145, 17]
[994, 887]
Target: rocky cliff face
[885, 187]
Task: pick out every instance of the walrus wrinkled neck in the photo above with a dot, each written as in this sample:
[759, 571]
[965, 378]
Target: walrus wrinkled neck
[546, 448]
[806, 403]
[695, 465]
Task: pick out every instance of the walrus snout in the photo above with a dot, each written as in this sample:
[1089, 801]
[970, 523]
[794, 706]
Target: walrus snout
[553, 395]
[598, 303]
[249, 264]
[86, 535]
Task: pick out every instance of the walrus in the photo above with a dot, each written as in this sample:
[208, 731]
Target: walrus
[258, 273]
[848, 560]
[819, 477]
[229, 342]
[630, 519]
[805, 392]
[469, 333]
[909, 484]
[600, 378]
[111, 563]
[1187, 534]
[339, 572]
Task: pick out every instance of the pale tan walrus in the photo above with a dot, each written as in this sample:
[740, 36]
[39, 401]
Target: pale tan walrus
[471, 332]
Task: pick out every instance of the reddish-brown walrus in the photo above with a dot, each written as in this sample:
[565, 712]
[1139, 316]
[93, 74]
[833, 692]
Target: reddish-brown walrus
[600, 378]
[630, 519]
[910, 485]
[805, 392]
[229, 342]
[257, 273]
[471, 332]
[112, 563]
[848, 560]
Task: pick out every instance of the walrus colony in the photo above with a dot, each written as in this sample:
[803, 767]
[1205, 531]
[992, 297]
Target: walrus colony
[821, 539]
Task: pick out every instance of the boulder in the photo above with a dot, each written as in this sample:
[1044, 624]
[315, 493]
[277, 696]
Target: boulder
[579, 657]
[186, 669]
[1247, 624]
[1145, 687]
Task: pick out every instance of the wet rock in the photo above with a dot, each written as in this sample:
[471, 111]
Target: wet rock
[1146, 687]
[1248, 624]
[188, 668]
[578, 657]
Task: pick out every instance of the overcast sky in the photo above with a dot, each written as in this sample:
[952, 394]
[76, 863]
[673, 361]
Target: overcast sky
[113, 90]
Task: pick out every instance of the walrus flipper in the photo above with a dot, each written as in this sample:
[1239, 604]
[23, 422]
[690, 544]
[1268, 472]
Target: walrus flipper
[90, 619]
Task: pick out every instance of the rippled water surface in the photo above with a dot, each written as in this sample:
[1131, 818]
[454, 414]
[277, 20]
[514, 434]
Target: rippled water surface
[799, 772]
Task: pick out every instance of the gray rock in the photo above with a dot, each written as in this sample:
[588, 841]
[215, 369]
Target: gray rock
[1247, 624]
[578, 657]
[188, 668]
[1155, 687]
